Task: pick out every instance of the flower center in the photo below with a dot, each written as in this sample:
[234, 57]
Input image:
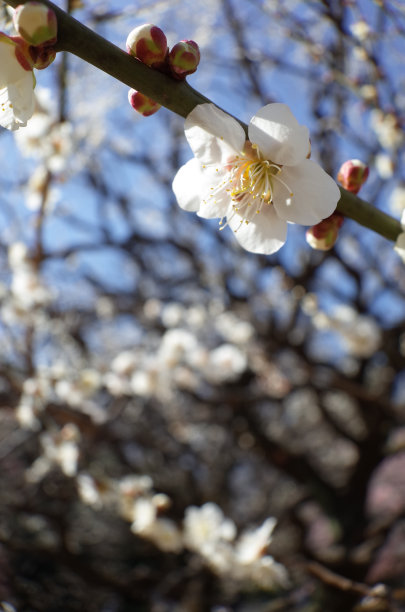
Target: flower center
[252, 181]
[253, 178]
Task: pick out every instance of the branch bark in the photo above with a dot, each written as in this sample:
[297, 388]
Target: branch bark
[180, 98]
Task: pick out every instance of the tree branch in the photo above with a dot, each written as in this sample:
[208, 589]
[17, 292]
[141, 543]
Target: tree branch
[180, 98]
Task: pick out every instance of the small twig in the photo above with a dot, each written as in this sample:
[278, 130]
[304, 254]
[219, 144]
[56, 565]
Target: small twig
[338, 582]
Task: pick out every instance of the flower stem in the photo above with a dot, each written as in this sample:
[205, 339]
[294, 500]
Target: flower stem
[369, 216]
[180, 98]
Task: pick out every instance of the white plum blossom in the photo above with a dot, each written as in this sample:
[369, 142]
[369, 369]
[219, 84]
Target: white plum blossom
[17, 84]
[257, 185]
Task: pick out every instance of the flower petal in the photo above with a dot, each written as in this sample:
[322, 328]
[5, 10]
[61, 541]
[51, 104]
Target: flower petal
[186, 186]
[11, 69]
[213, 135]
[17, 102]
[201, 191]
[217, 203]
[279, 136]
[315, 194]
[266, 234]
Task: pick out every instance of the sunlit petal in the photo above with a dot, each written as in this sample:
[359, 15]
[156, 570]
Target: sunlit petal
[213, 135]
[278, 135]
[315, 194]
[265, 234]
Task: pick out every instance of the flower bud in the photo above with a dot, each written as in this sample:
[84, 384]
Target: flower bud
[36, 23]
[184, 58]
[43, 56]
[148, 43]
[353, 174]
[323, 235]
[142, 104]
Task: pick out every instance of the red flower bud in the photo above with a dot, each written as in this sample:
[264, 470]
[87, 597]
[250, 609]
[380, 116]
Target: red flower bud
[352, 175]
[184, 58]
[142, 104]
[148, 43]
[323, 235]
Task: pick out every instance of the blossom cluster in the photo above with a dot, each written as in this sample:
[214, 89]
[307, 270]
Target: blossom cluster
[204, 531]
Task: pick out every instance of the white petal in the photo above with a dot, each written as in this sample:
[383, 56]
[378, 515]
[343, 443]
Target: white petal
[215, 205]
[21, 94]
[266, 234]
[187, 186]
[201, 191]
[279, 136]
[315, 194]
[213, 135]
[11, 69]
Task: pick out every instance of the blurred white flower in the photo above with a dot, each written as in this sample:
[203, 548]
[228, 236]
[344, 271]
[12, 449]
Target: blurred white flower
[145, 382]
[252, 544]
[17, 255]
[165, 535]
[204, 527]
[143, 514]
[387, 129]
[58, 449]
[135, 485]
[360, 30]
[359, 334]
[161, 531]
[397, 199]
[233, 329]
[47, 140]
[26, 414]
[177, 344]
[384, 165]
[172, 314]
[226, 363]
[125, 363]
[90, 492]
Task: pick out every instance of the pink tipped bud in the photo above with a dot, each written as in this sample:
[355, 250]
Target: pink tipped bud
[323, 235]
[36, 23]
[352, 175]
[148, 43]
[142, 104]
[184, 58]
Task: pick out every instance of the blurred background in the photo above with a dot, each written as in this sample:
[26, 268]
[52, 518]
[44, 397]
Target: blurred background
[170, 403]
